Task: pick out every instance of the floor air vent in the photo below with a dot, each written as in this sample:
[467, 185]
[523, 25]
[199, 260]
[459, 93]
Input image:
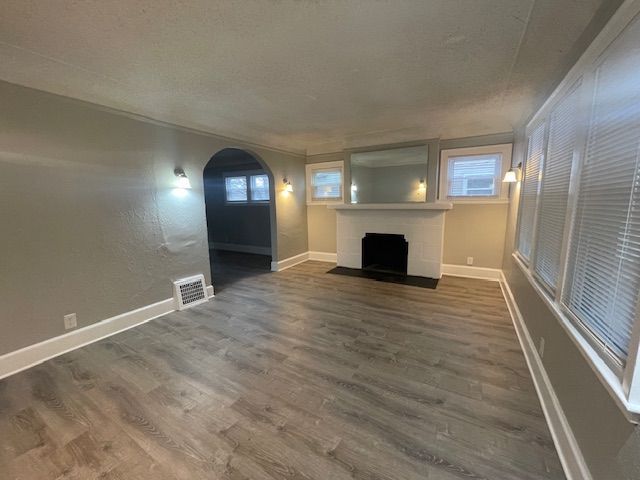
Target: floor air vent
[190, 291]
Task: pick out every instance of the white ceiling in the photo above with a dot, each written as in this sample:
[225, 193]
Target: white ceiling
[301, 75]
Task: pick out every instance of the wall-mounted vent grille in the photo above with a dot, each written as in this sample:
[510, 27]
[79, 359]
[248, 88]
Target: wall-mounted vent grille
[190, 291]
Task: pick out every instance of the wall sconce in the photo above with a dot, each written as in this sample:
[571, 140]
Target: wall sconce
[423, 184]
[354, 187]
[287, 185]
[183, 180]
[513, 174]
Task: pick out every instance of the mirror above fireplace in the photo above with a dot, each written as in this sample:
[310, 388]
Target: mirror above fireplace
[397, 175]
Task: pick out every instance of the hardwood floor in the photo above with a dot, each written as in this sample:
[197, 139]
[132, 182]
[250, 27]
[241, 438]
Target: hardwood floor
[292, 375]
[231, 267]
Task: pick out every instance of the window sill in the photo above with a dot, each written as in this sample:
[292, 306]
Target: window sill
[605, 374]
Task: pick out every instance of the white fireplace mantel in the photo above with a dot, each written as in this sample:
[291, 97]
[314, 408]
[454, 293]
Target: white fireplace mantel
[422, 225]
[393, 206]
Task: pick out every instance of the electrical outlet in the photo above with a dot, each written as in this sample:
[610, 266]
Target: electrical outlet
[541, 347]
[469, 260]
[70, 321]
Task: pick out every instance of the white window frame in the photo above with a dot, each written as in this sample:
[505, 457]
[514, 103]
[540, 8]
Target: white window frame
[313, 167]
[247, 174]
[621, 381]
[502, 191]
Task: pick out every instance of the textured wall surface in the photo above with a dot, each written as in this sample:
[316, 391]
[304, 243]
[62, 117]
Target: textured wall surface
[475, 231]
[90, 221]
[322, 228]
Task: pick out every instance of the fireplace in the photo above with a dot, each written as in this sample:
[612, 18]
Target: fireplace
[421, 224]
[385, 253]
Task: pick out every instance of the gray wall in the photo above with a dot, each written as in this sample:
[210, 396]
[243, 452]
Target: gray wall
[89, 220]
[238, 225]
[609, 443]
[321, 221]
[475, 230]
[472, 230]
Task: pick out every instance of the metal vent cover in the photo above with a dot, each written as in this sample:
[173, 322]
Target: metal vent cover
[190, 291]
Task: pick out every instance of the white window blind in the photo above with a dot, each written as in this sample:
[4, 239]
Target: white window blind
[326, 184]
[259, 188]
[529, 195]
[236, 188]
[554, 190]
[474, 175]
[603, 278]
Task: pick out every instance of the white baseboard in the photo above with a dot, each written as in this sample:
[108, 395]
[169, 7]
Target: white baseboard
[575, 468]
[323, 256]
[27, 357]
[472, 272]
[232, 247]
[280, 265]
[303, 257]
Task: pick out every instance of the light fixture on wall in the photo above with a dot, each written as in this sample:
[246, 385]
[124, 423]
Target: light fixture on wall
[287, 185]
[423, 184]
[513, 174]
[183, 180]
[354, 187]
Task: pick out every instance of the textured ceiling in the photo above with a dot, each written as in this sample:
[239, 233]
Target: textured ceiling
[302, 75]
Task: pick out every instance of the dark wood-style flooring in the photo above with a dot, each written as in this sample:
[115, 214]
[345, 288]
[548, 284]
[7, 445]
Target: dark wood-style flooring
[291, 375]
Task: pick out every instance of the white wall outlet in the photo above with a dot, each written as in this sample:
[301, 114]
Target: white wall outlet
[541, 347]
[70, 321]
[469, 260]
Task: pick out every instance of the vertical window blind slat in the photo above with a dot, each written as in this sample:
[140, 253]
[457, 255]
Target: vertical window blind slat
[529, 195]
[554, 191]
[603, 275]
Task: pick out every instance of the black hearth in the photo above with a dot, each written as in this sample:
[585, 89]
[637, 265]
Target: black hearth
[385, 253]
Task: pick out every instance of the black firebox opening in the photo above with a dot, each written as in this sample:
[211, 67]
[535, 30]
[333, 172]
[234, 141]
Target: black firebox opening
[385, 252]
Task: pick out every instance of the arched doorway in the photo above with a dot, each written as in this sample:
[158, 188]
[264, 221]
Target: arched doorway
[240, 207]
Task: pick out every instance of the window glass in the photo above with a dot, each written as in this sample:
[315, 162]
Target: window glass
[259, 188]
[327, 184]
[236, 188]
[474, 175]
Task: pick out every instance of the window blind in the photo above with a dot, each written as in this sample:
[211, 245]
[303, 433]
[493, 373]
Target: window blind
[603, 279]
[327, 184]
[474, 175]
[236, 188]
[530, 190]
[259, 188]
[554, 190]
